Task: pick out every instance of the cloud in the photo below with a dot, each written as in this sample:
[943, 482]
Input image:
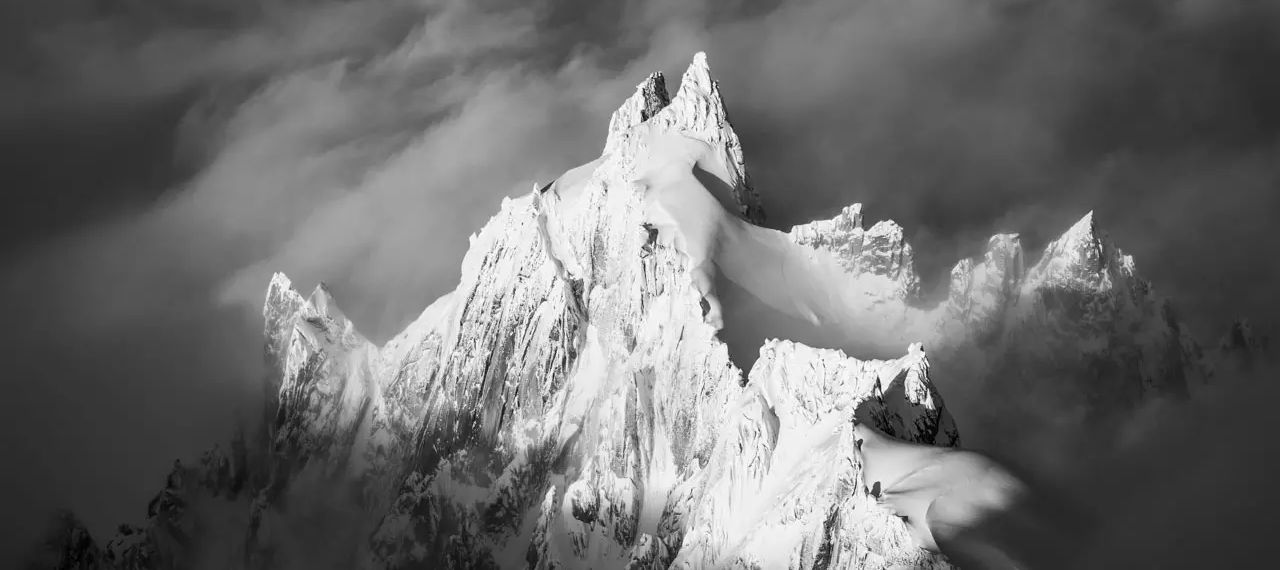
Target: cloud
[1186, 484]
[130, 52]
[1196, 488]
[89, 95]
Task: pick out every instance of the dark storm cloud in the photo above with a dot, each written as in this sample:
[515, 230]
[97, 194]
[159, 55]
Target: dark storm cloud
[166, 157]
[92, 91]
[1192, 486]
[1186, 484]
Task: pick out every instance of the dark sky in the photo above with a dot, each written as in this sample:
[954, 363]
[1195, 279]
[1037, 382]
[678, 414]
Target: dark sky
[160, 159]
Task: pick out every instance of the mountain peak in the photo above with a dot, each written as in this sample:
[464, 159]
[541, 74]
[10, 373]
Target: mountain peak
[1082, 241]
[321, 300]
[1083, 258]
[279, 312]
[981, 289]
[649, 98]
[653, 92]
[698, 111]
[280, 282]
[820, 232]
[880, 250]
[697, 104]
[698, 76]
[915, 350]
[1082, 233]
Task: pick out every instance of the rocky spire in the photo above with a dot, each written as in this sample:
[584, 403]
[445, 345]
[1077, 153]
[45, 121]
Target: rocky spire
[649, 97]
[698, 111]
[831, 231]
[981, 291]
[1083, 259]
[882, 250]
[321, 300]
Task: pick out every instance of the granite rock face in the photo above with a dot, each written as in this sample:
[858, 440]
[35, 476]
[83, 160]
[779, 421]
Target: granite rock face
[570, 403]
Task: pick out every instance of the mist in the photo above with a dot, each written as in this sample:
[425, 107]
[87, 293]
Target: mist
[1179, 484]
[161, 160]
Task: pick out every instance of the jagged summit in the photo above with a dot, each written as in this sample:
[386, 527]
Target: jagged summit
[1084, 258]
[822, 232]
[981, 291]
[697, 111]
[321, 299]
[882, 250]
[1082, 241]
[654, 95]
[1084, 228]
[701, 111]
[279, 282]
[650, 97]
[698, 75]
[325, 322]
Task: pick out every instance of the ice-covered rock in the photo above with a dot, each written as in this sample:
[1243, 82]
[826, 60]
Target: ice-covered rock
[698, 111]
[783, 489]
[880, 251]
[649, 98]
[327, 382]
[982, 291]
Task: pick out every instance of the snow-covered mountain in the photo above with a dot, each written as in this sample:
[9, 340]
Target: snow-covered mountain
[571, 405]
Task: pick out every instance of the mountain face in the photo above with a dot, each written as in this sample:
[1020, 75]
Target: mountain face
[571, 405]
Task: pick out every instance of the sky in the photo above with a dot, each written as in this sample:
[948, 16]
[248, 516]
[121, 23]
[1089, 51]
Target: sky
[161, 159]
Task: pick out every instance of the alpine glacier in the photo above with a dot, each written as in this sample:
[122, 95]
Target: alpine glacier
[571, 405]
